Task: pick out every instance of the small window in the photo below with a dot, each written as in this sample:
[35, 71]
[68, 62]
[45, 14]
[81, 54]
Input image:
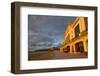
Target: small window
[77, 31]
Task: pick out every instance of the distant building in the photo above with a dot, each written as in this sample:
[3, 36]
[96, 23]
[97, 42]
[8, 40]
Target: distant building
[76, 37]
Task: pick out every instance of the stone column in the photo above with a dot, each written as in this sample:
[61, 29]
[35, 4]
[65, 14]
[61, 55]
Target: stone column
[71, 49]
[74, 48]
[85, 46]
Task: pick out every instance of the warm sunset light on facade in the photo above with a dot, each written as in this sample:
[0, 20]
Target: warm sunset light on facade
[76, 37]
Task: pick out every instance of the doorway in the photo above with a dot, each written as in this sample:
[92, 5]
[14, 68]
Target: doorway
[79, 47]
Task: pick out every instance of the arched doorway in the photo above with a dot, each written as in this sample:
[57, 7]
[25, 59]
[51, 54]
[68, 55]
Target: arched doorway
[79, 47]
[67, 49]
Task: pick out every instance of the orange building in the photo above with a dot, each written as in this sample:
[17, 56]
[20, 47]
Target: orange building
[76, 37]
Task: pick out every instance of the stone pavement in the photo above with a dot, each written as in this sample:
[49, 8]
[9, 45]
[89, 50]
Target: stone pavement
[55, 54]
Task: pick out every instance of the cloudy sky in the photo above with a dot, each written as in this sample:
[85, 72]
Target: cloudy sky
[46, 31]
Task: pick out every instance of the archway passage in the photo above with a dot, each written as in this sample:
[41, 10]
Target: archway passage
[68, 48]
[79, 47]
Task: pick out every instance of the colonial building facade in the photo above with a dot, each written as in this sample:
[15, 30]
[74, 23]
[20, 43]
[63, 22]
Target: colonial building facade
[76, 37]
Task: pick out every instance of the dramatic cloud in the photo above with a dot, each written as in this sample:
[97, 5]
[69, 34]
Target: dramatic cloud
[46, 31]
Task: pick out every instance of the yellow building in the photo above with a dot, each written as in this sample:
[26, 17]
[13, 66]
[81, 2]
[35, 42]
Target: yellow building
[76, 37]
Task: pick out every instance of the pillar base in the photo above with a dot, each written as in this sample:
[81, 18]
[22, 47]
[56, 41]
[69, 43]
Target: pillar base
[85, 53]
